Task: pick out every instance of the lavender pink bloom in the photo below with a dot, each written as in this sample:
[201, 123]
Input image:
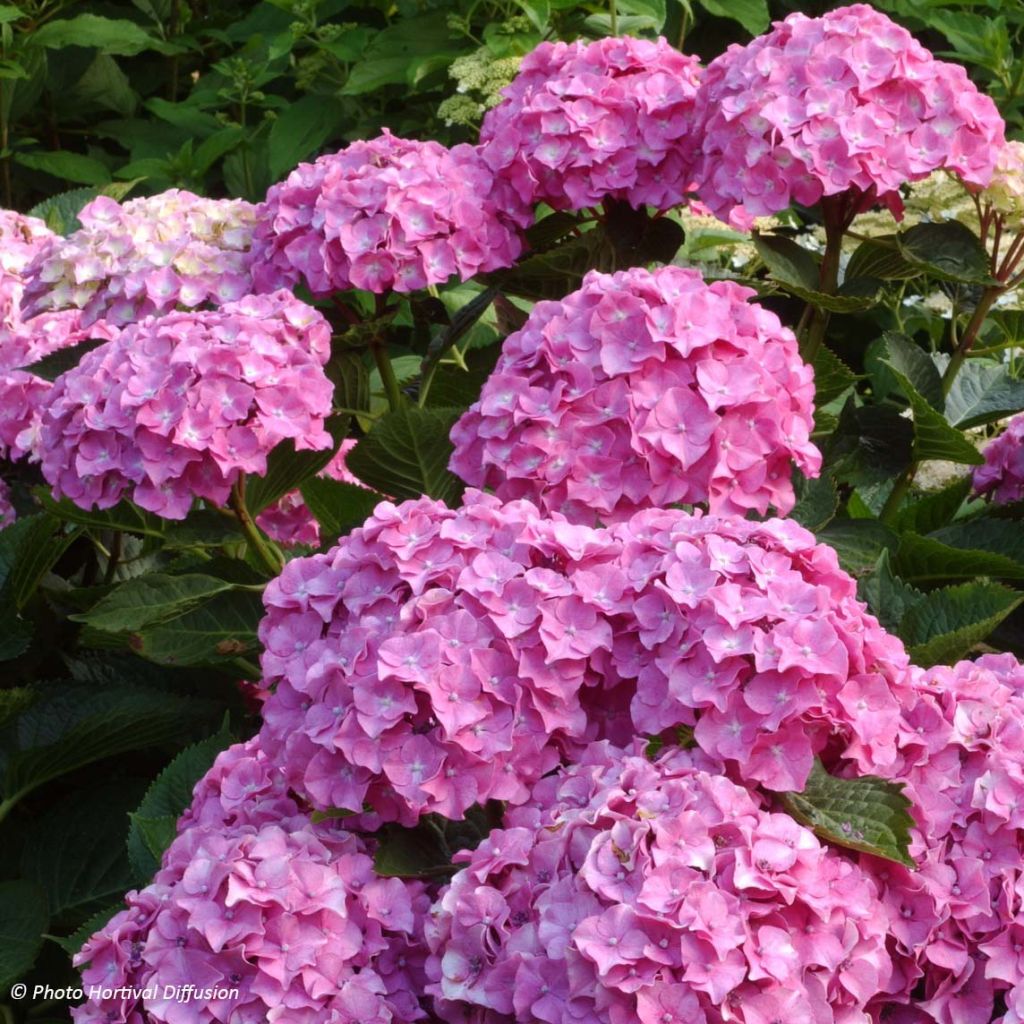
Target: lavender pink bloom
[390, 214]
[147, 256]
[584, 122]
[661, 893]
[179, 406]
[644, 389]
[1001, 476]
[848, 102]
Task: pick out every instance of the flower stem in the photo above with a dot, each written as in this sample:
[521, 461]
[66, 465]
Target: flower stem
[613, 17]
[270, 558]
[836, 223]
[898, 493]
[970, 335]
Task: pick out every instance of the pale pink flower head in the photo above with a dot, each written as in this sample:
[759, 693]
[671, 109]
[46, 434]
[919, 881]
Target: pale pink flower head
[390, 214]
[639, 390]
[146, 256]
[179, 406]
[958, 923]
[1001, 476]
[663, 893]
[846, 103]
[21, 240]
[289, 520]
[583, 122]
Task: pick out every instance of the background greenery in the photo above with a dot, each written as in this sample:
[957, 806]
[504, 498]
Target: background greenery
[123, 667]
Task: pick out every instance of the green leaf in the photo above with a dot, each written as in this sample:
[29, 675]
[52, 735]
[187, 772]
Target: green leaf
[751, 14]
[69, 726]
[338, 506]
[9, 13]
[928, 561]
[221, 630]
[880, 258]
[13, 701]
[166, 799]
[948, 250]
[867, 814]
[832, 376]
[916, 366]
[461, 323]
[411, 853]
[56, 363]
[116, 36]
[933, 511]
[934, 438]
[406, 455]
[888, 597]
[946, 624]
[72, 943]
[983, 392]
[61, 163]
[287, 468]
[124, 517]
[788, 262]
[817, 502]
[61, 211]
[23, 919]
[75, 851]
[991, 534]
[858, 542]
[41, 545]
[149, 599]
[300, 130]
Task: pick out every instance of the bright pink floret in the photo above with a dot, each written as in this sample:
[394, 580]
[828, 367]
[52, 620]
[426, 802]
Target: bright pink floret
[654, 893]
[179, 406]
[848, 102]
[390, 214]
[644, 389]
[583, 122]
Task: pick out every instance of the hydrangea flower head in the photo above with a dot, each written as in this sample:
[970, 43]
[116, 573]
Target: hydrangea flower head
[21, 240]
[1005, 192]
[180, 406]
[147, 256]
[438, 658]
[846, 103]
[958, 923]
[643, 389]
[582, 122]
[282, 919]
[289, 520]
[390, 214]
[661, 893]
[1001, 476]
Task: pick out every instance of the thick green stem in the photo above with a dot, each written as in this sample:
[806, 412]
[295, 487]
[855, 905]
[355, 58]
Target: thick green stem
[270, 558]
[970, 335]
[828, 279]
[387, 372]
[898, 493]
[613, 17]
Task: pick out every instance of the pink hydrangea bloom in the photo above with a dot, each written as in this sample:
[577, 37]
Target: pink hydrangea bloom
[388, 214]
[1001, 476]
[438, 658]
[661, 893]
[180, 406]
[582, 122]
[278, 919]
[147, 256]
[21, 239]
[289, 520]
[846, 103]
[644, 389]
[958, 921]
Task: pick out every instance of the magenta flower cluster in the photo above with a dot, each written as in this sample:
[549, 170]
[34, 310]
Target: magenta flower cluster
[846, 103]
[957, 927]
[282, 918]
[289, 520]
[1001, 476]
[148, 256]
[181, 405]
[584, 122]
[389, 214]
[661, 893]
[644, 389]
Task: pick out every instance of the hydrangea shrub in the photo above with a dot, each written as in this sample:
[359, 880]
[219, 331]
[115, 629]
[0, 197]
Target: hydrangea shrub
[640, 695]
